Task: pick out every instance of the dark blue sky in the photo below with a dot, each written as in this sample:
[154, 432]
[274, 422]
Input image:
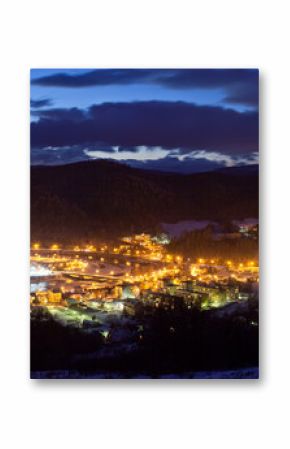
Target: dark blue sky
[182, 120]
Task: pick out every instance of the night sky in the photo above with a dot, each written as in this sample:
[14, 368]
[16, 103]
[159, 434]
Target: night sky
[184, 120]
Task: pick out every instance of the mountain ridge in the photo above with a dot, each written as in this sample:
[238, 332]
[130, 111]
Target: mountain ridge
[102, 197]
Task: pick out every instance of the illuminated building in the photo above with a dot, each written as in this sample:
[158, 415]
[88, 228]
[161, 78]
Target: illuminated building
[48, 297]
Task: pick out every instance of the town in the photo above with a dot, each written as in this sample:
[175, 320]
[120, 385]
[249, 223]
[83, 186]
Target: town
[112, 291]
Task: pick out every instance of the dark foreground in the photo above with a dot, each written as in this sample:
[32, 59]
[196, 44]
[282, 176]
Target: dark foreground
[246, 373]
[179, 343]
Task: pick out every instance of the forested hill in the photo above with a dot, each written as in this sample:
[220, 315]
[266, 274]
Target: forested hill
[97, 198]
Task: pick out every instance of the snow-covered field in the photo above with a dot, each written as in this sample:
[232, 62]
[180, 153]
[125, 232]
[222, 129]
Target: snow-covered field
[179, 228]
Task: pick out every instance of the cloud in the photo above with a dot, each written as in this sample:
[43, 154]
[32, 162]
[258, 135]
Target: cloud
[99, 77]
[197, 161]
[173, 164]
[175, 78]
[127, 149]
[57, 156]
[146, 158]
[208, 78]
[235, 82]
[123, 154]
[226, 159]
[57, 115]
[169, 125]
[40, 103]
[246, 94]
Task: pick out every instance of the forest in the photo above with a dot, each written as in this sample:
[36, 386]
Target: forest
[204, 244]
[96, 199]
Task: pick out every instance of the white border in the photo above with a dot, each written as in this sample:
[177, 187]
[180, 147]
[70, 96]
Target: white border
[144, 34]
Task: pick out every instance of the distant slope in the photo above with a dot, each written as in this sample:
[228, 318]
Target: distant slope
[89, 199]
[242, 170]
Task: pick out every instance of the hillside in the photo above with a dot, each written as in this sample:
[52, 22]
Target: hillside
[97, 198]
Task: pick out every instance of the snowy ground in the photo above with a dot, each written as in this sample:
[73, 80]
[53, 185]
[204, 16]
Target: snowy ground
[179, 228]
[245, 373]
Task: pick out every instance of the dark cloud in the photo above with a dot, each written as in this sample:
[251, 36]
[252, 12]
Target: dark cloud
[40, 103]
[58, 115]
[100, 77]
[246, 94]
[208, 78]
[155, 123]
[176, 78]
[233, 81]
